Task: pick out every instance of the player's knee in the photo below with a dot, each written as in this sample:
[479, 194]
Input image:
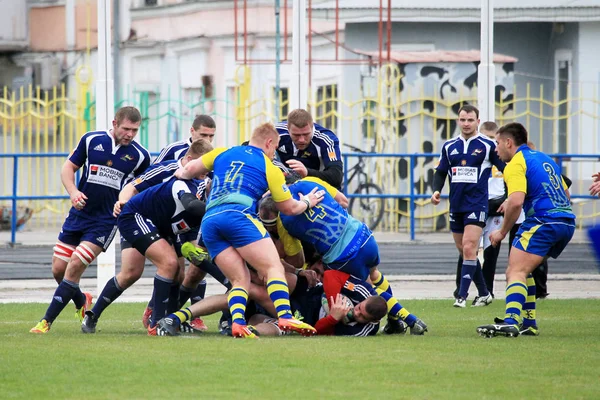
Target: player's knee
[128, 276]
[169, 266]
[82, 256]
[62, 252]
[469, 249]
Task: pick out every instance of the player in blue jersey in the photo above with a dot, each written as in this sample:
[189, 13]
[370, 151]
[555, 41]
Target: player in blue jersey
[151, 221]
[534, 184]
[467, 161]
[193, 284]
[132, 261]
[203, 127]
[310, 149]
[345, 243]
[109, 160]
[231, 229]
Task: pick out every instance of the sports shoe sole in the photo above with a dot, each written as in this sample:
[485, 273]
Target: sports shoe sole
[490, 331]
[305, 330]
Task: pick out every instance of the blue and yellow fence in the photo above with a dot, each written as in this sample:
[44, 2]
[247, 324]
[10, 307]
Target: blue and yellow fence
[408, 210]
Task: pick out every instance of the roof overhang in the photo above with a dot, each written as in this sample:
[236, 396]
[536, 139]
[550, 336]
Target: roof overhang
[356, 13]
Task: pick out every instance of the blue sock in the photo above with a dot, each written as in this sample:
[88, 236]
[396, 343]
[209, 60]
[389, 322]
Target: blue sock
[199, 292]
[79, 298]
[62, 295]
[184, 295]
[109, 294]
[479, 281]
[467, 272]
[162, 290]
[173, 303]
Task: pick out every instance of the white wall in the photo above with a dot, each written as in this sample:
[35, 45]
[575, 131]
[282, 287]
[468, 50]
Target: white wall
[587, 140]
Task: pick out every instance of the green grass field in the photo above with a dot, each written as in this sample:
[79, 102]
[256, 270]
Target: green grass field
[121, 362]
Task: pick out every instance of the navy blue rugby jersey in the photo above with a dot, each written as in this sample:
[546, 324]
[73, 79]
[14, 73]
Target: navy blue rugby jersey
[174, 151]
[323, 149]
[106, 168]
[162, 172]
[468, 164]
[162, 205]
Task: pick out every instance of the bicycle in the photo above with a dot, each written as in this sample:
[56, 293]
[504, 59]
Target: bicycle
[366, 209]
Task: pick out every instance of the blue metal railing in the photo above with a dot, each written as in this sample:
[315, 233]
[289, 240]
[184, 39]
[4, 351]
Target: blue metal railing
[14, 198]
[411, 196]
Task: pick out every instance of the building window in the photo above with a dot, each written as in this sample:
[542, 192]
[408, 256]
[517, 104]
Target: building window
[150, 2]
[326, 106]
[281, 98]
[562, 79]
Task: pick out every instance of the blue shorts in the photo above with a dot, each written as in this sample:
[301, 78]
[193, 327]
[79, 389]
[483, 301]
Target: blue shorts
[225, 226]
[139, 231]
[360, 265]
[458, 221]
[543, 236]
[76, 230]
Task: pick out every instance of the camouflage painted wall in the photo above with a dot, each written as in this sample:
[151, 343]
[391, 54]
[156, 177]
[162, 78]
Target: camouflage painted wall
[421, 101]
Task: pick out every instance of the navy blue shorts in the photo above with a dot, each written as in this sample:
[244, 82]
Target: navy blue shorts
[76, 229]
[458, 221]
[139, 231]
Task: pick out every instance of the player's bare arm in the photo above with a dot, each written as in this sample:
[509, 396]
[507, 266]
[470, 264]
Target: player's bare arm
[193, 169]
[124, 195]
[67, 177]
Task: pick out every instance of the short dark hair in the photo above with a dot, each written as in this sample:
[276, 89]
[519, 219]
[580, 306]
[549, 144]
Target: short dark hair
[376, 307]
[128, 113]
[292, 177]
[267, 205]
[516, 131]
[489, 126]
[468, 108]
[203, 120]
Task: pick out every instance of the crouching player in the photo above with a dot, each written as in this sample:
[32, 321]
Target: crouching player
[232, 232]
[346, 244]
[151, 221]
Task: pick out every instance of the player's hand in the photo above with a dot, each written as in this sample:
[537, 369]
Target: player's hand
[435, 198]
[180, 173]
[298, 167]
[118, 208]
[595, 188]
[596, 177]
[311, 277]
[340, 307]
[315, 196]
[502, 207]
[78, 200]
[496, 237]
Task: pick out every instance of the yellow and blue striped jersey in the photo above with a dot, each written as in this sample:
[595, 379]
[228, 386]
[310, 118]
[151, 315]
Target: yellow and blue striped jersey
[538, 176]
[242, 175]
